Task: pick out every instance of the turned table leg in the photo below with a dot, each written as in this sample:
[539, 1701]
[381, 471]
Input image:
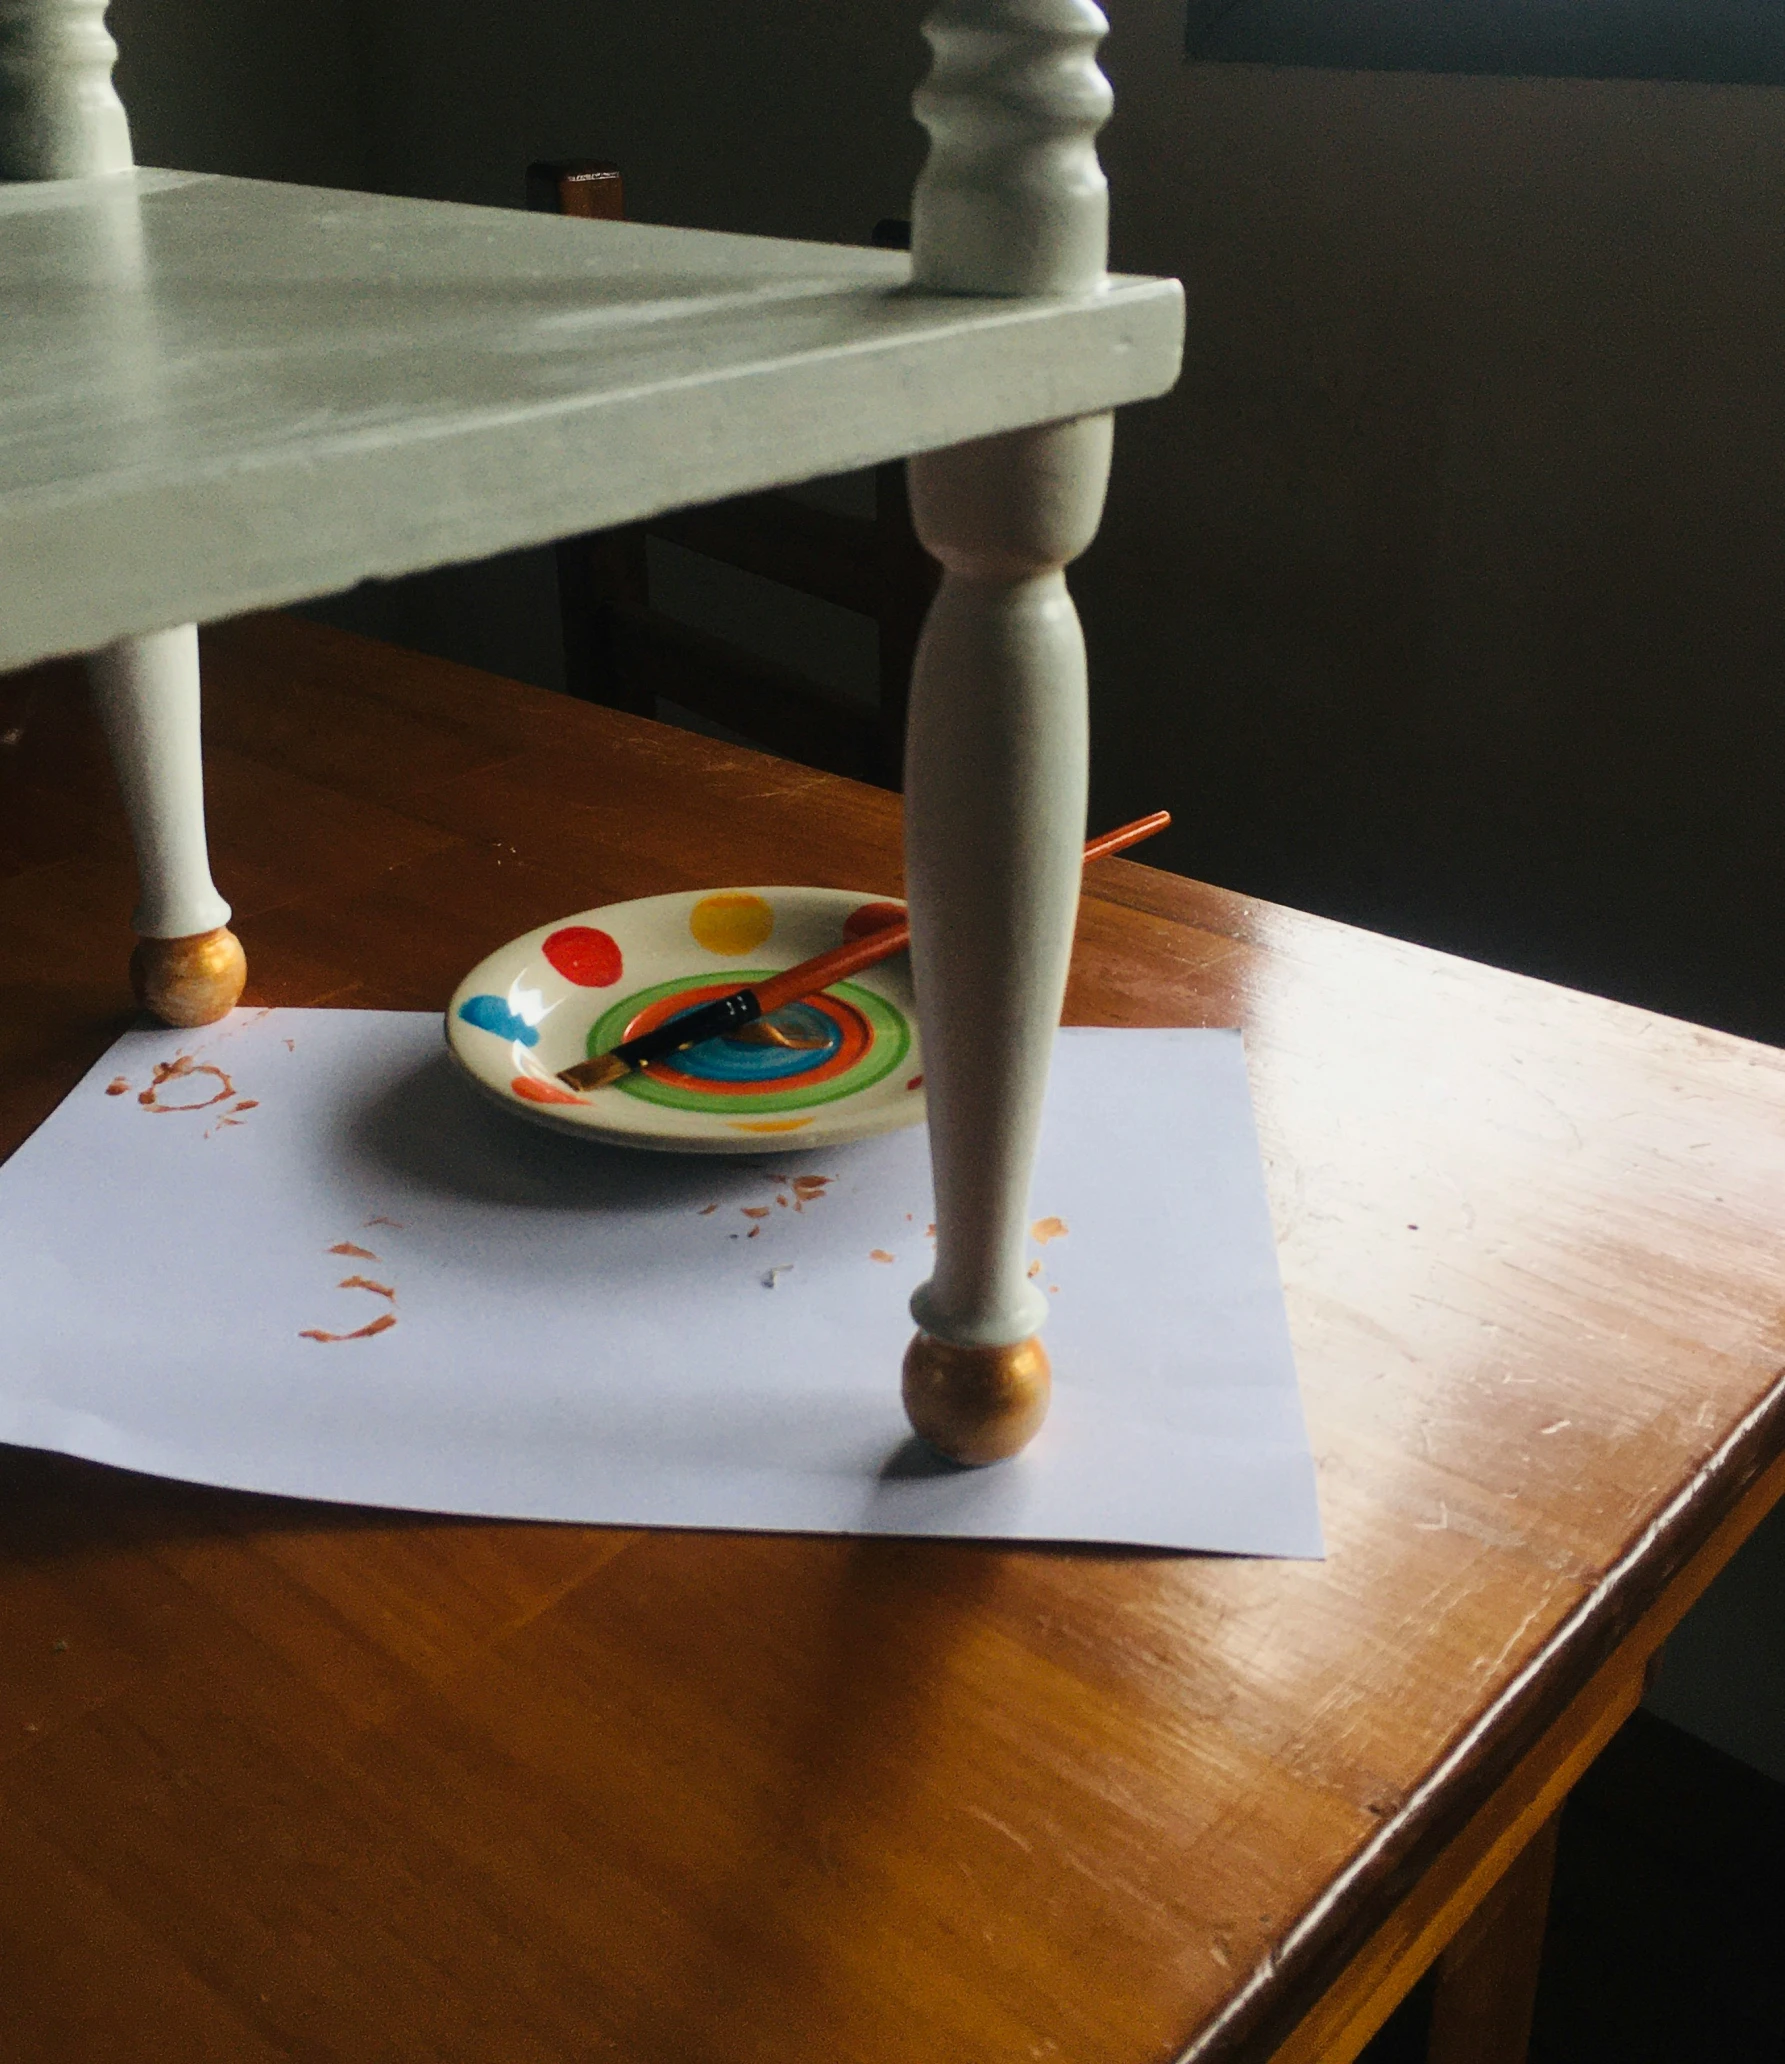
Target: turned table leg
[1011, 202]
[60, 118]
[187, 967]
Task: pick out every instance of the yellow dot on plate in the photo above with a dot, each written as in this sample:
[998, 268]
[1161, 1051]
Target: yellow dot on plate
[767, 1124]
[731, 924]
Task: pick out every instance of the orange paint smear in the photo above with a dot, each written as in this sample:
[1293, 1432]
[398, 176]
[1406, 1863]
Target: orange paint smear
[366, 1283]
[706, 1211]
[536, 1092]
[806, 1187]
[1034, 1269]
[358, 1253]
[767, 1124]
[116, 1086]
[1046, 1229]
[181, 1066]
[248, 1104]
[754, 1210]
[382, 1324]
[880, 1254]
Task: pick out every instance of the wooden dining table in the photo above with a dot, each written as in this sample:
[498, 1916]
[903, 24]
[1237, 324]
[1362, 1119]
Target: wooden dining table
[290, 1781]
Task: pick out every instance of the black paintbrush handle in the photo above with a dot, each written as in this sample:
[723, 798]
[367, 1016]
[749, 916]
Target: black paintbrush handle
[688, 1028]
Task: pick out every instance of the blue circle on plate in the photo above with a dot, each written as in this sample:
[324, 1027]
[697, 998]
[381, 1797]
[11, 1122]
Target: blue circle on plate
[742, 1060]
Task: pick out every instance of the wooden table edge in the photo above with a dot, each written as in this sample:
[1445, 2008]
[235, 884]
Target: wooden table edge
[1339, 1973]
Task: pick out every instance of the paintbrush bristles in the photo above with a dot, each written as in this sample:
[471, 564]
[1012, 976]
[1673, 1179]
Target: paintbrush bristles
[595, 1074]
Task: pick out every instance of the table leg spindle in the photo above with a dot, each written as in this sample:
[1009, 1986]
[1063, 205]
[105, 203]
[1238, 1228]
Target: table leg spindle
[60, 118]
[1011, 201]
[187, 967]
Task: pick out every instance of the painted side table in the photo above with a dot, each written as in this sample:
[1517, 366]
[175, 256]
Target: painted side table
[219, 394]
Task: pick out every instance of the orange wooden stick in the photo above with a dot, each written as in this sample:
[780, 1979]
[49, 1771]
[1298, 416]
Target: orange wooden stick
[842, 961]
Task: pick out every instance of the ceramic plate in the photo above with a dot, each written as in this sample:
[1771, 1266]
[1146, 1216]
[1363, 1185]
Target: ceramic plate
[578, 987]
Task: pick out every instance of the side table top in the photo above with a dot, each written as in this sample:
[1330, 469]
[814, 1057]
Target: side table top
[220, 393]
[278, 1779]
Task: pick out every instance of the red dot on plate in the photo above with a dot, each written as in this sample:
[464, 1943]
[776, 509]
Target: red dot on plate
[916, 1082]
[867, 918]
[537, 1092]
[584, 956]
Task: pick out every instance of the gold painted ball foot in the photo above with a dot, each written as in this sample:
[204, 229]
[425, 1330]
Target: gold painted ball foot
[191, 981]
[976, 1404]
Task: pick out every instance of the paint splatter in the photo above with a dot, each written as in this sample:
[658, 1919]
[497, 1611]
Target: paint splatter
[1034, 1270]
[366, 1283]
[1046, 1229]
[754, 1210]
[537, 1092]
[492, 1014]
[381, 1324]
[880, 1254]
[247, 1104]
[117, 1086]
[181, 1068]
[584, 956]
[754, 1230]
[731, 924]
[916, 1082]
[807, 1189]
[379, 1219]
[706, 1211]
[358, 1253]
[867, 918]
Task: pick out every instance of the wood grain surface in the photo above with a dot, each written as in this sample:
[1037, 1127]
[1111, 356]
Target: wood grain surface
[294, 1782]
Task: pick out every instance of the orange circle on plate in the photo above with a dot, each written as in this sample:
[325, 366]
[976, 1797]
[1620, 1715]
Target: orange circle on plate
[731, 924]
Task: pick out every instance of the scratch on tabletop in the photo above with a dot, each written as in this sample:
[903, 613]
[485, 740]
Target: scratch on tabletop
[379, 1219]
[1434, 1526]
[357, 1253]
[1555, 1426]
[1009, 1833]
[1517, 1635]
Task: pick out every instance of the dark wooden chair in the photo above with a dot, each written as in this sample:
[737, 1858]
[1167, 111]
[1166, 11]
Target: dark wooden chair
[621, 651]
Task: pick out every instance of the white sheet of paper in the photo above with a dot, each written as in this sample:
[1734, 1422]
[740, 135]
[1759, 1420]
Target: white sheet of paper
[583, 1333]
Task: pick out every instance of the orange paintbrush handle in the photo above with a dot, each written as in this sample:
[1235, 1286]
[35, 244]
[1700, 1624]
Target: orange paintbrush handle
[849, 959]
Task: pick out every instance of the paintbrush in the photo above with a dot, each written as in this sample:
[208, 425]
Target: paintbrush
[730, 1015]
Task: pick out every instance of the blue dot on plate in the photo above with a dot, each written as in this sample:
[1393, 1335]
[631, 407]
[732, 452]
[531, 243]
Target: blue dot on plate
[492, 1014]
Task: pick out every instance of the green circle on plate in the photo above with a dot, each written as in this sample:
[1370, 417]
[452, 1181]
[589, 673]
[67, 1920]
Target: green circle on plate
[892, 1042]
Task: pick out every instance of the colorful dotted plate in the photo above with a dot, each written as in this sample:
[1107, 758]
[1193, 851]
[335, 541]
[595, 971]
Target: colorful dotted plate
[580, 986]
